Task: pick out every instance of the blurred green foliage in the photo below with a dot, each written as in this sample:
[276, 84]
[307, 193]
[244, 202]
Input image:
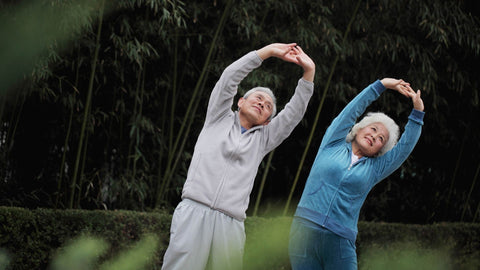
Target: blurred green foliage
[52, 239]
[405, 256]
[80, 254]
[34, 31]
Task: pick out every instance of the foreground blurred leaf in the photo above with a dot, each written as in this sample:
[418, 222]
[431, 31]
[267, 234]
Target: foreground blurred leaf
[80, 255]
[405, 256]
[4, 259]
[138, 257]
[29, 29]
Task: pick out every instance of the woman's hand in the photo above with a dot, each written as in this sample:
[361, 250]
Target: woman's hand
[416, 99]
[400, 86]
[404, 88]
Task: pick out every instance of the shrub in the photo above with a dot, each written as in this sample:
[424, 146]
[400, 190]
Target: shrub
[48, 239]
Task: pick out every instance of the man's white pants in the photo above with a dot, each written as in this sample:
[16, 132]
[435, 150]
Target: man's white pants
[203, 238]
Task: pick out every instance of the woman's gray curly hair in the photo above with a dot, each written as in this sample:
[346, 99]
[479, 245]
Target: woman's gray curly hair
[378, 117]
[268, 92]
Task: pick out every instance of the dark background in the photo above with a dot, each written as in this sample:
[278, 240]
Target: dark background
[157, 62]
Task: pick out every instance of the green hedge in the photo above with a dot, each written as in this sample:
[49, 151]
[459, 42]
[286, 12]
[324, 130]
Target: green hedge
[32, 238]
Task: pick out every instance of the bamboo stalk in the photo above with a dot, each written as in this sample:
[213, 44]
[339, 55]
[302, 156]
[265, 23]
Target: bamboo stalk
[170, 154]
[476, 213]
[87, 106]
[317, 116]
[174, 95]
[465, 206]
[262, 183]
[160, 154]
[170, 169]
[171, 121]
[3, 99]
[15, 119]
[454, 176]
[64, 157]
[139, 117]
[82, 170]
[134, 128]
[67, 139]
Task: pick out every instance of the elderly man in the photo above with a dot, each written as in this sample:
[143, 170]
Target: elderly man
[207, 230]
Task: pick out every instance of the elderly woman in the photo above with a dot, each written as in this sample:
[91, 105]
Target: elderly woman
[349, 162]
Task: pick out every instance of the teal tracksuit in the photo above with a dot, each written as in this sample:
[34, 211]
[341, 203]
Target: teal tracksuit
[335, 190]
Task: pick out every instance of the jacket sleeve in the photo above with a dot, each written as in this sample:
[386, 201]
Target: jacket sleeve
[221, 98]
[342, 124]
[283, 124]
[394, 158]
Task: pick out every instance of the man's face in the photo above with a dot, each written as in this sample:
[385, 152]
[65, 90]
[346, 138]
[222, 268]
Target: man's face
[256, 108]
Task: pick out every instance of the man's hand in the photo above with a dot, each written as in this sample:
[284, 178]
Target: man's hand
[279, 50]
[290, 53]
[305, 62]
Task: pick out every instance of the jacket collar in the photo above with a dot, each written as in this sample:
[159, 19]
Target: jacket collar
[237, 123]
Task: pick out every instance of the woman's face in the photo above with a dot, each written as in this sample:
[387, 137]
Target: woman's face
[370, 140]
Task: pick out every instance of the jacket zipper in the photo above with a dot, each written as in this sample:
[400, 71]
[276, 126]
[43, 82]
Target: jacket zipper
[222, 183]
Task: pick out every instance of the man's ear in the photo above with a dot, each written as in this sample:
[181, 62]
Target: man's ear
[240, 102]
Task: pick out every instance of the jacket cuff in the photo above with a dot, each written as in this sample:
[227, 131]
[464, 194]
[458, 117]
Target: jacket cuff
[378, 87]
[417, 116]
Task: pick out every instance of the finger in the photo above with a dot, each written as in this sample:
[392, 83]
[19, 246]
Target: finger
[289, 50]
[405, 84]
[290, 47]
[402, 88]
[299, 60]
[296, 50]
[410, 90]
[406, 92]
[419, 93]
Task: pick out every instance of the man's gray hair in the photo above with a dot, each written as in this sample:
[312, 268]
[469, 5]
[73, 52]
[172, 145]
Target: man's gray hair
[378, 117]
[268, 92]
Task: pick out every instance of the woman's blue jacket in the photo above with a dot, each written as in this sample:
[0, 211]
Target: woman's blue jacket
[335, 190]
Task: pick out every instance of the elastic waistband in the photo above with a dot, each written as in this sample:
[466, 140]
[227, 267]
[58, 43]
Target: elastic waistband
[206, 207]
[197, 204]
[326, 222]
